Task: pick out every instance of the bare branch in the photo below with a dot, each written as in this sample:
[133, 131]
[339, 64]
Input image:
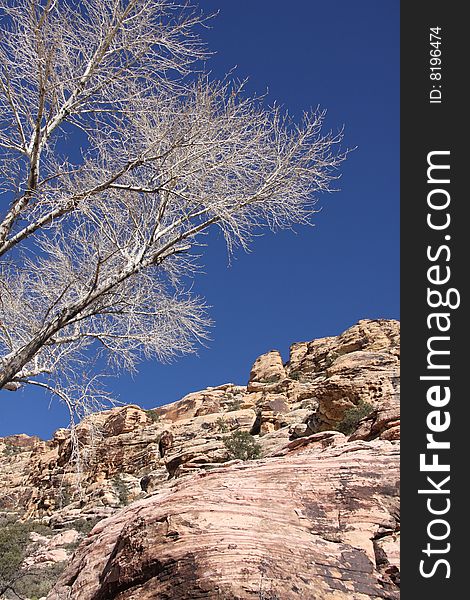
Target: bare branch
[116, 158]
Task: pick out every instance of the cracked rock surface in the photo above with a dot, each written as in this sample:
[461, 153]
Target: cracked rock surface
[305, 525]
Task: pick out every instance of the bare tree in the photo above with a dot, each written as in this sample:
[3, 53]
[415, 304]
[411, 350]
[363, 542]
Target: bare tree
[116, 156]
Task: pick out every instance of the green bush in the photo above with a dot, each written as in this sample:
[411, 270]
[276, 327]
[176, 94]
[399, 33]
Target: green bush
[35, 584]
[222, 425]
[14, 538]
[83, 525]
[352, 417]
[11, 450]
[234, 405]
[121, 489]
[242, 445]
[330, 358]
[153, 415]
[23, 583]
[40, 528]
[272, 379]
[65, 495]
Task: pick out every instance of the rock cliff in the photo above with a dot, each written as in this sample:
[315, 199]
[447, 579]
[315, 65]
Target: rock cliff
[314, 516]
[315, 523]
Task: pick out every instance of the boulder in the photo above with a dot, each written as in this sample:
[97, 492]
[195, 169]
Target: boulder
[267, 368]
[320, 522]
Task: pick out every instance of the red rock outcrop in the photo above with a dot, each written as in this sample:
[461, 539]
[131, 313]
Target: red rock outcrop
[316, 517]
[321, 523]
[123, 448]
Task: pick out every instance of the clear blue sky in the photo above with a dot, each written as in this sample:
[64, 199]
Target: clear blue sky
[318, 281]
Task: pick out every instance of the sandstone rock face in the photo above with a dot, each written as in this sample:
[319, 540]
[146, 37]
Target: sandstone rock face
[318, 523]
[16, 456]
[268, 368]
[130, 451]
[362, 364]
[344, 536]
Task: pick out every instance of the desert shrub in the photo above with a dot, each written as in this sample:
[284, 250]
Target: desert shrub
[272, 379]
[40, 528]
[221, 425]
[234, 405]
[14, 538]
[268, 595]
[242, 445]
[330, 358]
[65, 496]
[72, 546]
[153, 415]
[36, 583]
[121, 489]
[14, 542]
[11, 450]
[83, 525]
[352, 417]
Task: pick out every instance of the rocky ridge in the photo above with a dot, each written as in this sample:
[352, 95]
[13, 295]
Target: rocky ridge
[342, 489]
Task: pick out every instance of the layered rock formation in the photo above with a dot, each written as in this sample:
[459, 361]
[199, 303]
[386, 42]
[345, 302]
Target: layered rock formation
[152, 459]
[308, 525]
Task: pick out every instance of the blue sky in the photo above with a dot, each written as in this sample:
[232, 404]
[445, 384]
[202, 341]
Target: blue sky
[343, 56]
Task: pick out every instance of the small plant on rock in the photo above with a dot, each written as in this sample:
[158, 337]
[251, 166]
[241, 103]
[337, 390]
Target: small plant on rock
[352, 417]
[222, 425]
[84, 526]
[153, 415]
[11, 450]
[121, 490]
[234, 405]
[65, 496]
[242, 445]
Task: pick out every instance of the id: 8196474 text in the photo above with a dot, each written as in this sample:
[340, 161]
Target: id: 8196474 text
[435, 65]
